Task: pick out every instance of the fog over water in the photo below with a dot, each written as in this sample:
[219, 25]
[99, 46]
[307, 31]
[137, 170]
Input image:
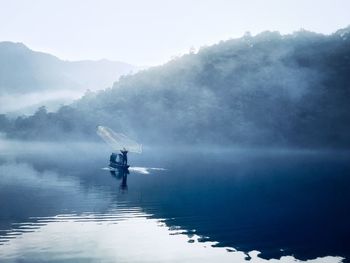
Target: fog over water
[245, 135]
[230, 205]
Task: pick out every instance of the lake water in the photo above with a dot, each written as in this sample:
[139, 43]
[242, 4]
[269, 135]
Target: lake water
[59, 203]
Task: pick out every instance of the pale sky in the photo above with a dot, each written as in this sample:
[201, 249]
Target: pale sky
[150, 32]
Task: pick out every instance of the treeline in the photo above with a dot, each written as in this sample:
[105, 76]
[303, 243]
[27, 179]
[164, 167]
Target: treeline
[267, 90]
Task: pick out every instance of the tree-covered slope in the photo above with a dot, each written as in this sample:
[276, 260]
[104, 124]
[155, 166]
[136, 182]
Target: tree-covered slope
[267, 90]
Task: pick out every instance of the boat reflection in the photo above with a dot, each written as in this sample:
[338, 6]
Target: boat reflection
[121, 174]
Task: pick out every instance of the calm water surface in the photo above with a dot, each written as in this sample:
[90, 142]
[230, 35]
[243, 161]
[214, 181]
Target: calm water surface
[58, 203]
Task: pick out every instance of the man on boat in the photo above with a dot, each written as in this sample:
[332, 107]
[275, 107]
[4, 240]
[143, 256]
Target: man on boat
[125, 156]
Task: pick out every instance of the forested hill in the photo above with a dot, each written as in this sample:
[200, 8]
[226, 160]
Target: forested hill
[266, 90]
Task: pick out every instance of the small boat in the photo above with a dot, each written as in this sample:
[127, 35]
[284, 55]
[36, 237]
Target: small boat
[118, 165]
[119, 143]
[119, 161]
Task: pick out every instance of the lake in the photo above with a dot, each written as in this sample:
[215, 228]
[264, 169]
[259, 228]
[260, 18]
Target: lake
[60, 203]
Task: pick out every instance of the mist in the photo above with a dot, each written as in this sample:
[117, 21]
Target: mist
[28, 103]
[174, 131]
[268, 90]
[31, 79]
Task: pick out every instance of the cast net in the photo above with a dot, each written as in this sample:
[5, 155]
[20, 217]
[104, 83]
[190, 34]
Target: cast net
[118, 141]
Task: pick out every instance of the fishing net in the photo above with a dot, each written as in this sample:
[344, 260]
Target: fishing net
[118, 141]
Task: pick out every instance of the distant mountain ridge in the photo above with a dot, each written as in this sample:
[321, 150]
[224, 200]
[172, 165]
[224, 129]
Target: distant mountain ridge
[30, 79]
[25, 70]
[264, 90]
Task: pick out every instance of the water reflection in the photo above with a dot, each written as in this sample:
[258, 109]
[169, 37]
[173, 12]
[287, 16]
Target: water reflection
[121, 174]
[119, 235]
[281, 206]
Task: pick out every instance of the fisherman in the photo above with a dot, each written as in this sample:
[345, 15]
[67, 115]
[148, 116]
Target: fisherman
[125, 156]
[120, 158]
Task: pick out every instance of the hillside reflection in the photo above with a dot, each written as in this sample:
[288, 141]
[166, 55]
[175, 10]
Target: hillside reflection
[280, 204]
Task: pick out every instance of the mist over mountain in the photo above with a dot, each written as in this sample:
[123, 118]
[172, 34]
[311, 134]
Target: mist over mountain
[29, 78]
[266, 90]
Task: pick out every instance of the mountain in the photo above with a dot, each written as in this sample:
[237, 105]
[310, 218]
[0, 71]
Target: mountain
[267, 90]
[36, 78]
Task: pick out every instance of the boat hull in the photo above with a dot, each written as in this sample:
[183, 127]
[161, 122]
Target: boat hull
[119, 166]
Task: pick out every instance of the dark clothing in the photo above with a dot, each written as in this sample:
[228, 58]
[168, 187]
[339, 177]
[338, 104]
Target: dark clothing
[125, 156]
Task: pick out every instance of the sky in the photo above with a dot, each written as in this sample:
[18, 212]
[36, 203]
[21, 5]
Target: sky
[151, 32]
